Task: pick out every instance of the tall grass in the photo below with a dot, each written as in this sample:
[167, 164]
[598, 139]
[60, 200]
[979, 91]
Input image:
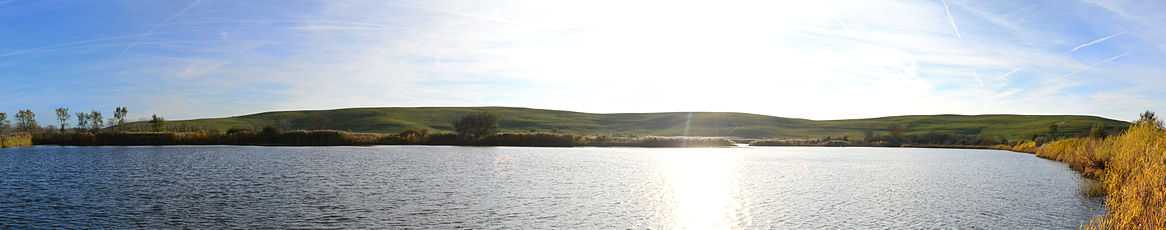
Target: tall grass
[15, 140]
[1132, 169]
[1023, 146]
[1081, 154]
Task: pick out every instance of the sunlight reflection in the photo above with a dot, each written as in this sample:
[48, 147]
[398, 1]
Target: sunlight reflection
[702, 188]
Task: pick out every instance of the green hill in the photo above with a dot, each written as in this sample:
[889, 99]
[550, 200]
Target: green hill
[392, 120]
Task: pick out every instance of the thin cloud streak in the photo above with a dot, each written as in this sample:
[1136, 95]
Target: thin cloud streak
[1095, 41]
[69, 45]
[1102, 62]
[1114, 58]
[159, 25]
[1009, 73]
[951, 19]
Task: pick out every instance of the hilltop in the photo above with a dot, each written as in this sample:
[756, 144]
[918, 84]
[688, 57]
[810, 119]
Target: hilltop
[728, 124]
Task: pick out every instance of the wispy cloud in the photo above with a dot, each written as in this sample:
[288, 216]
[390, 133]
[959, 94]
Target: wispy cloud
[159, 25]
[1095, 41]
[1004, 77]
[418, 53]
[951, 19]
[332, 26]
[1099, 63]
[72, 45]
[1114, 58]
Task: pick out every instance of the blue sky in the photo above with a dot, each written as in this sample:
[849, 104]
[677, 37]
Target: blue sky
[807, 59]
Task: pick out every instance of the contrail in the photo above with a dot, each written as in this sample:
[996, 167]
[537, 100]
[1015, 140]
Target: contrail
[1009, 74]
[502, 21]
[73, 44]
[1107, 60]
[1094, 42]
[156, 26]
[1114, 58]
[951, 19]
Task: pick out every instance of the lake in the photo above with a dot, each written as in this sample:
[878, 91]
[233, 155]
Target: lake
[536, 188]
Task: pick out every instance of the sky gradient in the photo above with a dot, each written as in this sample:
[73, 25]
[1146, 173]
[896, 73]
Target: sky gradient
[805, 59]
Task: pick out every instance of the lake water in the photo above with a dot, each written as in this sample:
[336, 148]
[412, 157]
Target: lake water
[536, 188]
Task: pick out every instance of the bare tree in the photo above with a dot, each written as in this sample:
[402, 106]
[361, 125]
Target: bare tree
[3, 123]
[1149, 118]
[96, 121]
[82, 121]
[63, 117]
[119, 116]
[158, 123]
[26, 120]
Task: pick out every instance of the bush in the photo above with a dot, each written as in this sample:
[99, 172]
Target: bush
[473, 127]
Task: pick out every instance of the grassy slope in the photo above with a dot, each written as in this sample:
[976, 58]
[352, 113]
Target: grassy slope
[391, 120]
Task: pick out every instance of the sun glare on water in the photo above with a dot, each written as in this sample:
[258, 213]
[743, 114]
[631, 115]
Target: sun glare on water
[701, 188]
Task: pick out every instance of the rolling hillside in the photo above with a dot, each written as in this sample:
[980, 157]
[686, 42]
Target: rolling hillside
[392, 120]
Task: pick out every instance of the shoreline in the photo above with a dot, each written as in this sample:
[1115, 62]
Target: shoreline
[326, 138]
[544, 146]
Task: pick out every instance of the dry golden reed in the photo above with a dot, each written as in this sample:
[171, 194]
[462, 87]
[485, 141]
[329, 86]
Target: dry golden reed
[15, 140]
[1132, 170]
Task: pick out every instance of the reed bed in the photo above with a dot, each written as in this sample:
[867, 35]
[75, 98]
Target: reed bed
[655, 141]
[15, 140]
[799, 142]
[1024, 147]
[1130, 167]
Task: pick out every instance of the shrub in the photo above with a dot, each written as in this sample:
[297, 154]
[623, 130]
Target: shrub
[476, 126]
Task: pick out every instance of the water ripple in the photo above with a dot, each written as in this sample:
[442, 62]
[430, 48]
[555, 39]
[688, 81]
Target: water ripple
[538, 188]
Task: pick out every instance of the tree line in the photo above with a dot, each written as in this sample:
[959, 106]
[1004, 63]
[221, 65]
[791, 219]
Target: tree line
[474, 129]
[78, 122]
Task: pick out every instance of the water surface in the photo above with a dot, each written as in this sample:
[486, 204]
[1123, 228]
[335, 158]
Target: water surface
[540, 188]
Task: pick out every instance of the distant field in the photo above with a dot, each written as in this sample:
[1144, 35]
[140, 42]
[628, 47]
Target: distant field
[393, 120]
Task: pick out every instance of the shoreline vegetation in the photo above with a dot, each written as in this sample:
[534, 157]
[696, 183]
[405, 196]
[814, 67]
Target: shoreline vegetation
[342, 138]
[474, 129]
[15, 140]
[1129, 169]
